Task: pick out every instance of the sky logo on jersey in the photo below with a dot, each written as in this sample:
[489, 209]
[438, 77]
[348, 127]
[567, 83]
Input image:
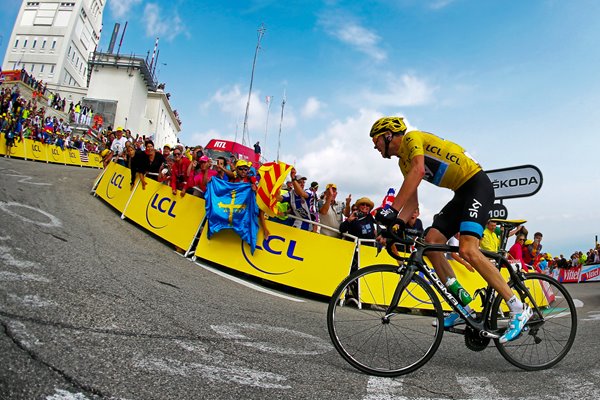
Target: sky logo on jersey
[274, 246]
[160, 210]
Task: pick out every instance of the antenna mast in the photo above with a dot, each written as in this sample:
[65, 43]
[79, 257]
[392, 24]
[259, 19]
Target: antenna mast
[280, 124]
[261, 32]
[269, 98]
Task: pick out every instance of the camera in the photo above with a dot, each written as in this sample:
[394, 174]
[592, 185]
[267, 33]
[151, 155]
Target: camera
[359, 214]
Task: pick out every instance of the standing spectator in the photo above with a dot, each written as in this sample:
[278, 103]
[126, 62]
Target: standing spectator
[312, 205]
[516, 251]
[330, 211]
[257, 149]
[118, 146]
[137, 162]
[489, 240]
[200, 177]
[414, 226]
[299, 200]
[155, 160]
[532, 250]
[360, 223]
[179, 171]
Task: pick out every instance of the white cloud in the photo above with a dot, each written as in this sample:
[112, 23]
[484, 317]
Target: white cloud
[439, 4]
[160, 24]
[231, 104]
[344, 154]
[312, 107]
[121, 8]
[352, 33]
[407, 90]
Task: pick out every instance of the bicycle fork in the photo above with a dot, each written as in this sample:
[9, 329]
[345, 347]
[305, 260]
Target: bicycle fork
[398, 293]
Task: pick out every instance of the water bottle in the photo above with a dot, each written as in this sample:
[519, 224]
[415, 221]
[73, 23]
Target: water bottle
[458, 291]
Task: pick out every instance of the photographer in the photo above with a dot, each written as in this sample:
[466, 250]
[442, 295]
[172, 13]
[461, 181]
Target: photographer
[360, 223]
[201, 174]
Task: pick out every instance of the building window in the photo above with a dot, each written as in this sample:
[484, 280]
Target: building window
[32, 68]
[16, 43]
[44, 44]
[25, 43]
[69, 53]
[34, 44]
[42, 68]
[52, 69]
[53, 44]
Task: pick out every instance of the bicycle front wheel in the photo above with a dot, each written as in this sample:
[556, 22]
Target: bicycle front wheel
[549, 334]
[383, 344]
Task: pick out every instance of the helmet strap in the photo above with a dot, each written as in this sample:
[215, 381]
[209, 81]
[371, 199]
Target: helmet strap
[387, 138]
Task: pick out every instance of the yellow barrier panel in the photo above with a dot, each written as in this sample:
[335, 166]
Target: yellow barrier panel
[18, 150]
[36, 150]
[169, 216]
[56, 154]
[290, 256]
[114, 186]
[95, 161]
[72, 157]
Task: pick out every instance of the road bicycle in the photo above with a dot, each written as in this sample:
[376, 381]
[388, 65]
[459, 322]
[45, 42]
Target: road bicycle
[394, 322]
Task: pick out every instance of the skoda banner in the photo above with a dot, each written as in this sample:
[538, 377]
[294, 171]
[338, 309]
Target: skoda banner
[520, 181]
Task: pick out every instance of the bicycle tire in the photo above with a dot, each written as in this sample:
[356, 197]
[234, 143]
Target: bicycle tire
[547, 340]
[360, 335]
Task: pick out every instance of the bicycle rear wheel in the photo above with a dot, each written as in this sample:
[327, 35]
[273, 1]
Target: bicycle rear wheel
[382, 345]
[549, 336]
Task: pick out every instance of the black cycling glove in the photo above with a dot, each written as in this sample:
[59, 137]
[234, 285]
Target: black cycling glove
[386, 216]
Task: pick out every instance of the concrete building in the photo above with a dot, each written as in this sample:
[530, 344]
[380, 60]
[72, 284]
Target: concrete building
[53, 41]
[142, 106]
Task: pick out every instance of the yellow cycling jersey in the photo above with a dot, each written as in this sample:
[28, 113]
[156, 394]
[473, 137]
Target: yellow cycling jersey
[446, 163]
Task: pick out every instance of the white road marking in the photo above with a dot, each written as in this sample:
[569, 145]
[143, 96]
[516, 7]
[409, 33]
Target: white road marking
[577, 387]
[31, 300]
[478, 387]
[247, 284]
[592, 316]
[7, 207]
[9, 259]
[26, 179]
[27, 339]
[308, 344]
[384, 389]
[6, 276]
[66, 395]
[224, 373]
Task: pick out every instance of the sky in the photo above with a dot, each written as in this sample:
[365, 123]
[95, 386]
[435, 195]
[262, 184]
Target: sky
[515, 83]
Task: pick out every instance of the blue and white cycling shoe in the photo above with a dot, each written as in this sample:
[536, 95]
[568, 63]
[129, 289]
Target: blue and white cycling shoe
[516, 324]
[451, 320]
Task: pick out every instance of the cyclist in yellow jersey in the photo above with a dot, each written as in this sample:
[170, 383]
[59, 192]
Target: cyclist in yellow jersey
[424, 156]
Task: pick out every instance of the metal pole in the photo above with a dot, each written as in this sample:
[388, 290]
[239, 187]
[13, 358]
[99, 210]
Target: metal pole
[280, 124]
[269, 98]
[261, 32]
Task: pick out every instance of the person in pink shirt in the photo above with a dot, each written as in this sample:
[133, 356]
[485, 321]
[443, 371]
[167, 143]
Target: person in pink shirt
[201, 175]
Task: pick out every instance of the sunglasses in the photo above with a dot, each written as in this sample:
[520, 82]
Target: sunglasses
[243, 168]
[176, 154]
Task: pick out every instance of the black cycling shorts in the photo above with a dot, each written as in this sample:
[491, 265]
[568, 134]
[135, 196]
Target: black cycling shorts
[468, 211]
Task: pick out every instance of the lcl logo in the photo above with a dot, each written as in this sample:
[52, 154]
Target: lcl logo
[159, 210]
[37, 150]
[278, 246]
[116, 181]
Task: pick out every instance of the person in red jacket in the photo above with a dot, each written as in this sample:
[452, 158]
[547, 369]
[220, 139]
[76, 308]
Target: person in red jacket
[179, 172]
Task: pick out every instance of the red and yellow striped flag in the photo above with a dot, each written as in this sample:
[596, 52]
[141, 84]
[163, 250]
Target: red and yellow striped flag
[272, 177]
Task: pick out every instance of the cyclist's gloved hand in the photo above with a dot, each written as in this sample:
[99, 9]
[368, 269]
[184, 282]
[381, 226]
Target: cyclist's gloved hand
[386, 216]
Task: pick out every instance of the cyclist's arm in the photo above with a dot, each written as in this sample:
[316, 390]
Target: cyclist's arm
[407, 200]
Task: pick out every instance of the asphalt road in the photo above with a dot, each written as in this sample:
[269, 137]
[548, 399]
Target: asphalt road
[92, 306]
